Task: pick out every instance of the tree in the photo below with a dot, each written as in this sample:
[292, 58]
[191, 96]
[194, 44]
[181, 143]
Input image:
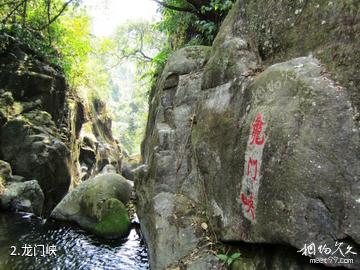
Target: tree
[33, 15]
[135, 41]
[192, 21]
[58, 31]
[131, 56]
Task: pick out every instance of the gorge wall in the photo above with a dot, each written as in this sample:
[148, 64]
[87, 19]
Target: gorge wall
[50, 139]
[255, 141]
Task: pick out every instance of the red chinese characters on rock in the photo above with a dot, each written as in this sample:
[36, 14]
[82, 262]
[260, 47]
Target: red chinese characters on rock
[249, 203]
[253, 158]
[252, 163]
[257, 129]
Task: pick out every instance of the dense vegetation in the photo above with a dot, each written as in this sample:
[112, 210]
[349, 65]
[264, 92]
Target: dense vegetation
[56, 30]
[188, 22]
[121, 68]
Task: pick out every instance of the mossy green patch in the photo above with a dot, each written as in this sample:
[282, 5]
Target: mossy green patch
[193, 52]
[107, 186]
[243, 264]
[115, 221]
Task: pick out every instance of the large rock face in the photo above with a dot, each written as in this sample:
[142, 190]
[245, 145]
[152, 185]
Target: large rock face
[35, 152]
[261, 134]
[169, 193]
[32, 98]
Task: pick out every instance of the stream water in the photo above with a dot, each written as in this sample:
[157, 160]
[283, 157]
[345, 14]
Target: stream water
[23, 234]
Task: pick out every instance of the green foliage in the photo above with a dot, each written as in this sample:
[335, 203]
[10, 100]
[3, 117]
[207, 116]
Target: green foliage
[32, 22]
[178, 26]
[208, 27]
[218, 5]
[229, 259]
[131, 56]
[197, 26]
[157, 65]
[56, 31]
[59, 32]
[160, 59]
[36, 42]
[73, 42]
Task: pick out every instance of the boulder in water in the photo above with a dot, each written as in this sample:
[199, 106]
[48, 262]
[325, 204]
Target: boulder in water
[98, 205]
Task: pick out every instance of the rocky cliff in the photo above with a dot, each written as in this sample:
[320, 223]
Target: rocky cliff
[50, 139]
[254, 142]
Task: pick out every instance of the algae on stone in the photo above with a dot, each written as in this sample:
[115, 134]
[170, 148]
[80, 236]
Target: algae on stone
[114, 221]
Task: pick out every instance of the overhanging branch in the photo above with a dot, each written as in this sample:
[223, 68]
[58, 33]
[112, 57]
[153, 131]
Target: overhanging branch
[12, 11]
[56, 16]
[181, 9]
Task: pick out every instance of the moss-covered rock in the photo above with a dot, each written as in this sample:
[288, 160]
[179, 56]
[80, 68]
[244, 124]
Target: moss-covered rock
[32, 95]
[243, 264]
[114, 220]
[98, 205]
[6, 106]
[100, 189]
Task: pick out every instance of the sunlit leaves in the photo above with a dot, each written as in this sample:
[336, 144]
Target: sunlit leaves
[74, 44]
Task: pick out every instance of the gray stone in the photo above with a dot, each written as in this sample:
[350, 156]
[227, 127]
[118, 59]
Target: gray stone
[35, 83]
[174, 235]
[17, 178]
[185, 61]
[204, 261]
[109, 169]
[126, 170]
[31, 146]
[25, 197]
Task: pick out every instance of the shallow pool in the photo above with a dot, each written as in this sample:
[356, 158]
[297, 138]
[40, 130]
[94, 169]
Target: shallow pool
[36, 244]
